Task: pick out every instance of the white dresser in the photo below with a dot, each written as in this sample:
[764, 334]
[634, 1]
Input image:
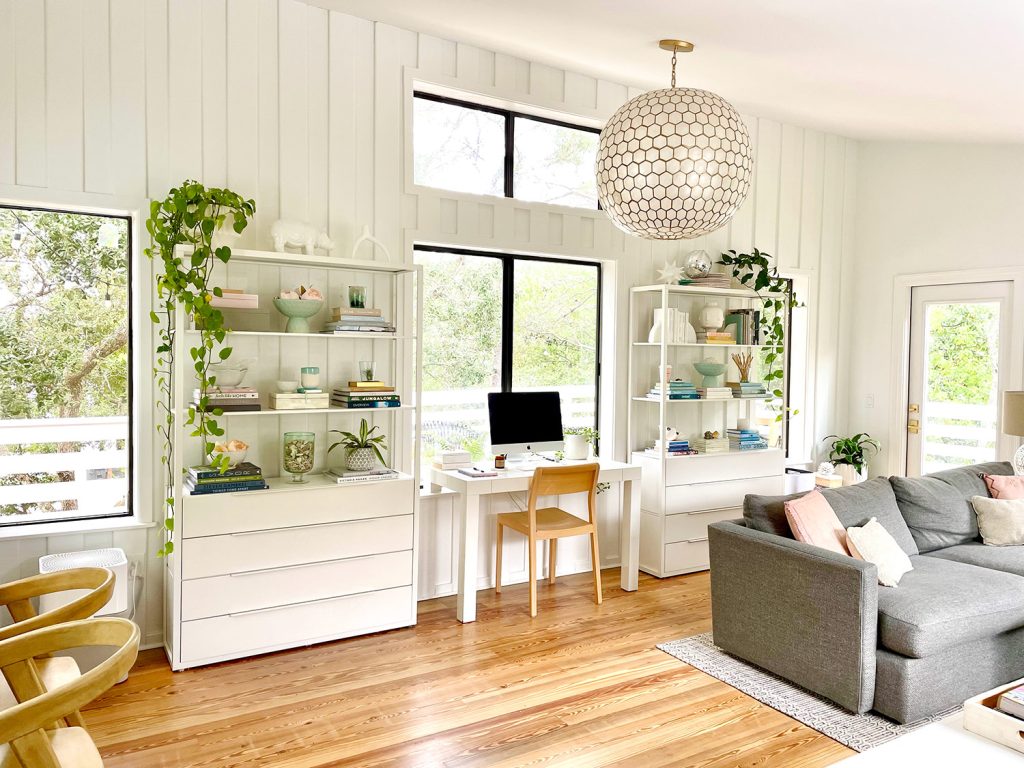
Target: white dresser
[261, 571]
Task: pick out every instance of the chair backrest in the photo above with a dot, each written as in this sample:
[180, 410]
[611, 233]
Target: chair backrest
[23, 726]
[558, 481]
[17, 597]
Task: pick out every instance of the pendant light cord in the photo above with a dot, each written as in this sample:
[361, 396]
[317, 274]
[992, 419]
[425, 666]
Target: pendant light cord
[673, 68]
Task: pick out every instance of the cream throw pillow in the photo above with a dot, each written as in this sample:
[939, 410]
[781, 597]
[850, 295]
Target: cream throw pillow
[1001, 521]
[873, 544]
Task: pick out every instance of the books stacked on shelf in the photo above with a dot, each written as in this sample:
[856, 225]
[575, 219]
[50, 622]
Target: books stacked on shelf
[714, 393]
[715, 337]
[347, 477]
[353, 320]
[365, 394]
[712, 280]
[745, 325]
[828, 481]
[746, 440]
[205, 479]
[750, 390]
[229, 399]
[453, 460]
[232, 298]
[675, 447]
[711, 444]
[677, 389]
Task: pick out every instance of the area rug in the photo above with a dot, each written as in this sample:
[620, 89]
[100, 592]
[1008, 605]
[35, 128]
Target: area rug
[858, 732]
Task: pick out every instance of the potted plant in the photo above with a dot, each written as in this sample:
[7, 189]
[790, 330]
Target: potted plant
[849, 455]
[578, 441]
[364, 449]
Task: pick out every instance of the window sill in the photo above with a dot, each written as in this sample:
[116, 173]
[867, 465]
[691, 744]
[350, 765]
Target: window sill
[66, 527]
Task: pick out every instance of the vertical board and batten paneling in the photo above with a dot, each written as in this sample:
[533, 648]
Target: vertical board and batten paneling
[304, 109]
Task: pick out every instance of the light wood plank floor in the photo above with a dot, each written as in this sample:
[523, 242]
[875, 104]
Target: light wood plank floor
[580, 685]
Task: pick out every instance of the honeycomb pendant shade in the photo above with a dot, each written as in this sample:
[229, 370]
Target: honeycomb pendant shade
[674, 164]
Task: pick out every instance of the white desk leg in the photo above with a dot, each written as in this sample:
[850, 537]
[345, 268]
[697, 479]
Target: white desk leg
[468, 506]
[629, 535]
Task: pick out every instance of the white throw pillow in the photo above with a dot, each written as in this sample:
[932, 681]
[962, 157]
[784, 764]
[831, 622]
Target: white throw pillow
[873, 544]
[1001, 521]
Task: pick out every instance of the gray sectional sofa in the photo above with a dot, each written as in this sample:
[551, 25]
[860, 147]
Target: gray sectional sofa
[954, 626]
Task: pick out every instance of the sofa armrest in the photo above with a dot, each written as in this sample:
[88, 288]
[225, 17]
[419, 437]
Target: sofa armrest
[801, 612]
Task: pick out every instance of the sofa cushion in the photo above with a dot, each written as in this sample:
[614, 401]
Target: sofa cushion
[872, 543]
[813, 521]
[942, 603]
[1006, 559]
[1004, 486]
[768, 513]
[1000, 521]
[937, 507]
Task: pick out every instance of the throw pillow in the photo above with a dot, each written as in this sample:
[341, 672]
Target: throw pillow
[813, 521]
[1005, 486]
[873, 544]
[1001, 521]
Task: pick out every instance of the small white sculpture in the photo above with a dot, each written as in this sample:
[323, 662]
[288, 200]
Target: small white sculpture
[366, 237]
[671, 434]
[671, 273]
[298, 234]
[826, 468]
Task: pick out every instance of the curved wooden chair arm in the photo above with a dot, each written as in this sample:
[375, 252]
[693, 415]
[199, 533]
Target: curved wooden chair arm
[26, 720]
[17, 595]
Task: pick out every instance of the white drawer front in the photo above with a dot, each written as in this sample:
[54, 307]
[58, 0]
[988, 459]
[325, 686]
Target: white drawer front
[723, 495]
[687, 556]
[303, 624]
[263, 510]
[251, 590]
[259, 550]
[736, 466]
[694, 525]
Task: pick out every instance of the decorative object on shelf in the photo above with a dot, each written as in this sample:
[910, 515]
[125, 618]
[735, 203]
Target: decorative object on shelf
[849, 455]
[298, 306]
[743, 361]
[697, 264]
[1013, 424]
[232, 451]
[233, 298]
[309, 376]
[826, 468]
[671, 434]
[674, 163]
[297, 459]
[299, 401]
[366, 237]
[357, 297]
[230, 373]
[299, 234]
[712, 316]
[578, 441]
[364, 449]
[367, 371]
[287, 385]
[710, 370]
[673, 324]
[670, 273]
[189, 215]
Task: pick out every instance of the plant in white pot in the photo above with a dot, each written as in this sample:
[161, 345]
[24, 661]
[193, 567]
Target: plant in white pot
[578, 441]
[849, 455]
[364, 449]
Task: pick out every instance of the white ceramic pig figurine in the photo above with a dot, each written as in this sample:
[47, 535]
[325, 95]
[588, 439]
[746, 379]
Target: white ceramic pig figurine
[298, 234]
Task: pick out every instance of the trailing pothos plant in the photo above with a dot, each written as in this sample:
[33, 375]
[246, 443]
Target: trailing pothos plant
[190, 215]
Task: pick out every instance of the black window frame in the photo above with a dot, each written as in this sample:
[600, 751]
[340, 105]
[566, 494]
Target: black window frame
[508, 261]
[510, 116]
[129, 446]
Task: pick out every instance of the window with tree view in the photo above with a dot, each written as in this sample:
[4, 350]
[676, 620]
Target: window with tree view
[64, 353]
[496, 322]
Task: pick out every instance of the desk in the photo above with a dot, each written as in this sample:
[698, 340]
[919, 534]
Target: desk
[467, 507]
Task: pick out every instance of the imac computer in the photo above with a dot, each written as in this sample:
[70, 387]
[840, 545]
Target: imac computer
[525, 422]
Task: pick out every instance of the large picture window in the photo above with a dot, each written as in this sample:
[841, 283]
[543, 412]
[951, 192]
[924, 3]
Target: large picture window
[501, 323]
[65, 393]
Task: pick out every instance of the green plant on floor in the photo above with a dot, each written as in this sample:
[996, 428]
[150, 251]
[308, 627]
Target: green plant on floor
[852, 450]
[365, 439]
[189, 216]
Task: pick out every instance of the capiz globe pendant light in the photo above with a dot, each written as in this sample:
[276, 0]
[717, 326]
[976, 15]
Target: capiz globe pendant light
[674, 163]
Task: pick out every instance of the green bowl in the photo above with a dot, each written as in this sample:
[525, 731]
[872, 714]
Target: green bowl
[298, 311]
[710, 371]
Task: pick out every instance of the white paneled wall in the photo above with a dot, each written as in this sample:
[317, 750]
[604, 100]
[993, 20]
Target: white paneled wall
[110, 102]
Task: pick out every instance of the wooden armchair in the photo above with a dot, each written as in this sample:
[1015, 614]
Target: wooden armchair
[27, 736]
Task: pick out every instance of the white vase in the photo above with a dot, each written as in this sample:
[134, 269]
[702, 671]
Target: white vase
[850, 474]
[712, 317]
[576, 447]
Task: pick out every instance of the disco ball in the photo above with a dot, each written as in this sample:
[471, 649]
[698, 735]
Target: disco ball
[697, 264]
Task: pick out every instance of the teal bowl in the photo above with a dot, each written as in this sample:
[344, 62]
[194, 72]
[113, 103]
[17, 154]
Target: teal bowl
[710, 371]
[298, 312]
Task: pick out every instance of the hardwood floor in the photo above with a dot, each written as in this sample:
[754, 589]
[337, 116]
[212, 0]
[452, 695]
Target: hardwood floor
[580, 685]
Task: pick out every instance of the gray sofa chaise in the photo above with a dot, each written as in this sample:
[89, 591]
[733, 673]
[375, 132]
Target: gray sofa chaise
[954, 626]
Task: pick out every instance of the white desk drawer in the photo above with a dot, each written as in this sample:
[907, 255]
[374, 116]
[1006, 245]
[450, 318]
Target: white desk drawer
[721, 495]
[259, 550]
[736, 466]
[695, 524]
[687, 556]
[252, 590]
[302, 624]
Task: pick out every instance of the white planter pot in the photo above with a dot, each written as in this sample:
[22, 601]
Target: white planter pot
[850, 475]
[576, 447]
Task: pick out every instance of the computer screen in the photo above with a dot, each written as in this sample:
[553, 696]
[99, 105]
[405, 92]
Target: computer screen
[523, 421]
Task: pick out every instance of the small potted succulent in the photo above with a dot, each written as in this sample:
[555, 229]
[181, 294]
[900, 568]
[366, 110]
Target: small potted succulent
[849, 455]
[364, 449]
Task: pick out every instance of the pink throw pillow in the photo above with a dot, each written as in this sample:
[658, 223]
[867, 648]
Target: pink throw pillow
[813, 521]
[1005, 486]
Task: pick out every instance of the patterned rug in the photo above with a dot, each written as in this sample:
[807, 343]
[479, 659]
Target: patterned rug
[858, 732]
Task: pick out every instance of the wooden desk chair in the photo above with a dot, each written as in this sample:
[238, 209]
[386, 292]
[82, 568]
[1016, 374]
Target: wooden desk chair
[17, 597]
[552, 523]
[27, 736]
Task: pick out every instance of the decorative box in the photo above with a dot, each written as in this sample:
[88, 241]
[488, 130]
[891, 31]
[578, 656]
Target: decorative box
[298, 401]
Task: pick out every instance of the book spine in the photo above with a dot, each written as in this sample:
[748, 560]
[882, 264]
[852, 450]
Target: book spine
[371, 398]
[366, 405]
[208, 481]
[228, 488]
[207, 474]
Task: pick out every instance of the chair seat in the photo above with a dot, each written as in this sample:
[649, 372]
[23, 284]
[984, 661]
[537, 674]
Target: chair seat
[54, 671]
[73, 747]
[552, 522]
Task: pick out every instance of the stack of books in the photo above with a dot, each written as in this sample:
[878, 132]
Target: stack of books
[233, 298]
[453, 460]
[744, 325]
[745, 440]
[229, 399]
[676, 389]
[712, 280]
[365, 394]
[355, 320]
[748, 390]
[715, 393]
[349, 477]
[244, 477]
[828, 481]
[715, 337]
[671, 448]
[711, 444]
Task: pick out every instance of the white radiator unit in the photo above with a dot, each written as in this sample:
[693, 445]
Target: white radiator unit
[113, 558]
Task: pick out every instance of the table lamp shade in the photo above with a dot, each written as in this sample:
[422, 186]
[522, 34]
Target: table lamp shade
[1013, 413]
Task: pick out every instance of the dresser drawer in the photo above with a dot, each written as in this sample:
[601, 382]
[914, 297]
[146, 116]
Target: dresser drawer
[252, 590]
[260, 550]
[721, 495]
[268, 629]
[694, 525]
[687, 470]
[687, 556]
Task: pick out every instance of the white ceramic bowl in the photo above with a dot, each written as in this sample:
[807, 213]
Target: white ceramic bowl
[287, 386]
[228, 377]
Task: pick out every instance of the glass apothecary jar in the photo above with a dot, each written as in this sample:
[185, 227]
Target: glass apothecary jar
[297, 459]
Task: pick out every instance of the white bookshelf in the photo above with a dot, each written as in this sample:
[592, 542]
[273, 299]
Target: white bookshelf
[682, 495]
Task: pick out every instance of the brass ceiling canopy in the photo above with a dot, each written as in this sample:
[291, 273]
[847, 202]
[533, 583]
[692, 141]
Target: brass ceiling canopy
[676, 46]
